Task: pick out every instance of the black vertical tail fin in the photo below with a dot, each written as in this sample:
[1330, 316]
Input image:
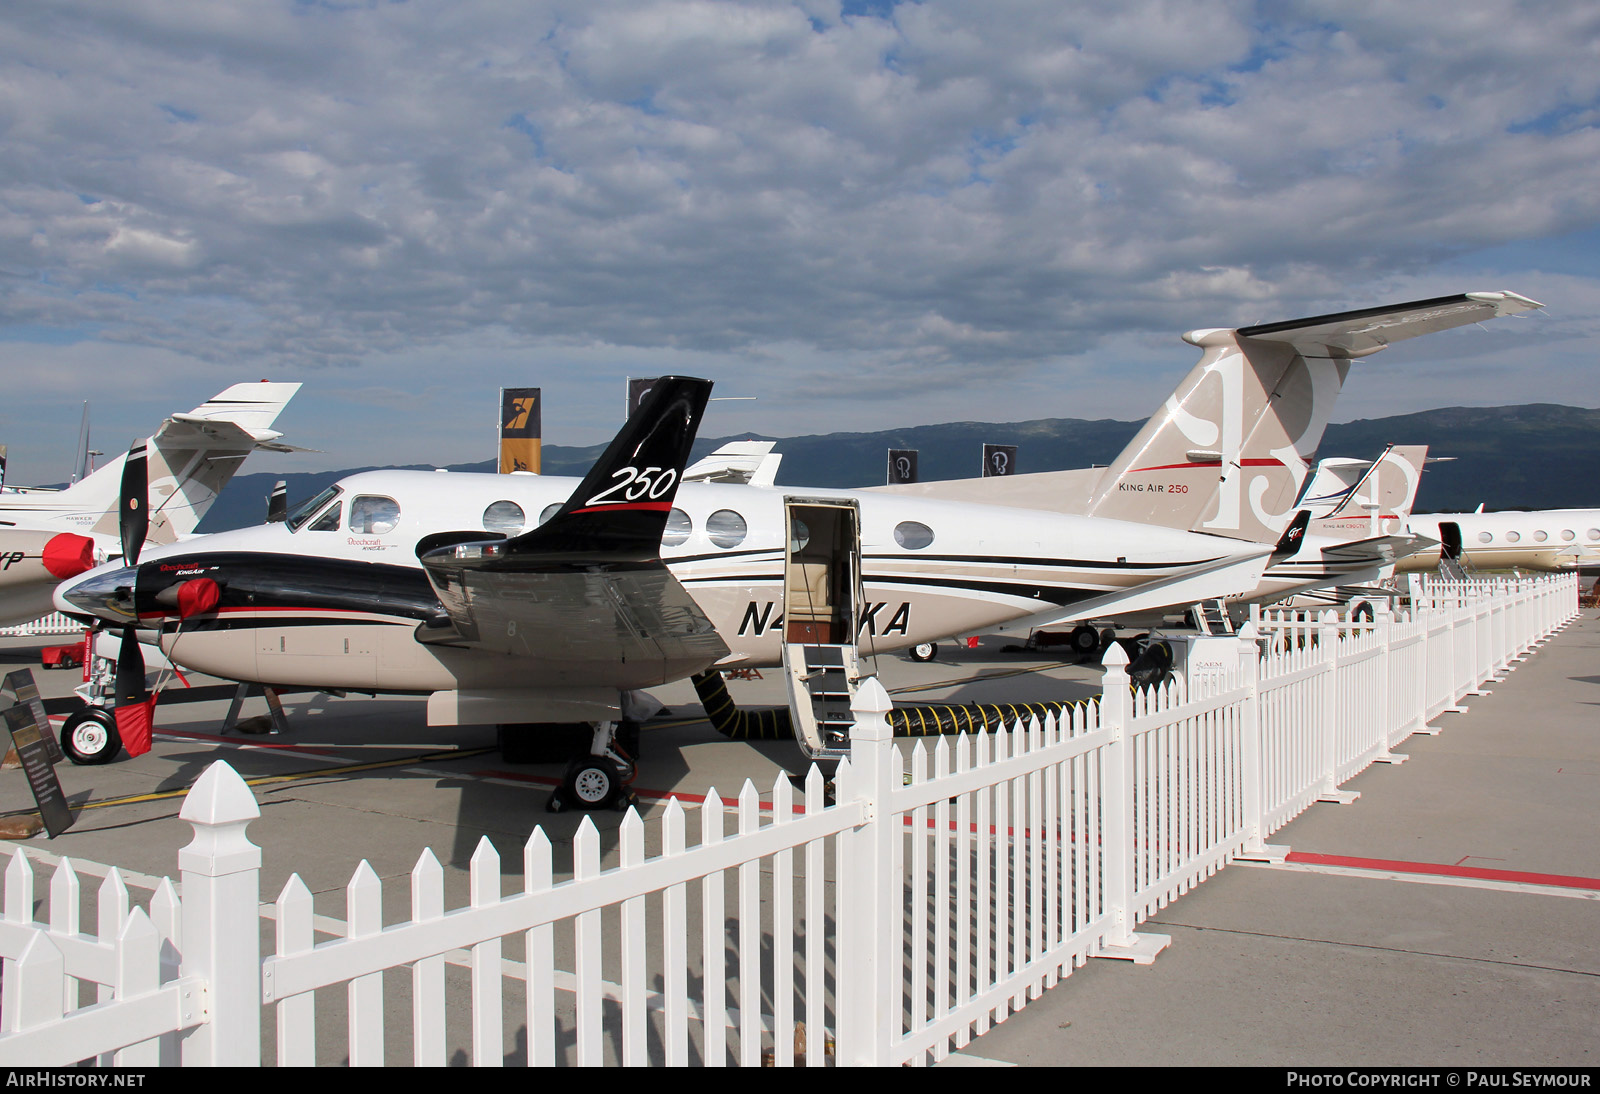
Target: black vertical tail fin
[619, 510]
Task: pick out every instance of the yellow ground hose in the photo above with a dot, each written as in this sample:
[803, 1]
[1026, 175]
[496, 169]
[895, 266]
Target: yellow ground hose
[772, 723]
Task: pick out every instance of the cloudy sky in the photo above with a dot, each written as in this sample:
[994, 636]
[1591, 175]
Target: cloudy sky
[860, 216]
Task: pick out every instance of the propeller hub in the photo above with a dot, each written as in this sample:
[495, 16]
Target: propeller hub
[106, 595]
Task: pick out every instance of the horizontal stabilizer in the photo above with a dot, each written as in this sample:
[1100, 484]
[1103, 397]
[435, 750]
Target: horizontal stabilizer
[1358, 333]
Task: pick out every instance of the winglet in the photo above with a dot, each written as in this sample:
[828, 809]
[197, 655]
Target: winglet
[619, 510]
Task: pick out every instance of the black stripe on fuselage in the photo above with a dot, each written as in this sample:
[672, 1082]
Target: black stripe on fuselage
[264, 581]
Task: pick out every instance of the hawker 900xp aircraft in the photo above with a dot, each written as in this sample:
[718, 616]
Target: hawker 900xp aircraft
[49, 535]
[527, 599]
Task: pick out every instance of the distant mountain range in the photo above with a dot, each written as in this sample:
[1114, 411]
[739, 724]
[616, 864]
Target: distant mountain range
[1539, 456]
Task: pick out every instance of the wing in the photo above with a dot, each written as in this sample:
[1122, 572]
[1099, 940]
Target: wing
[585, 596]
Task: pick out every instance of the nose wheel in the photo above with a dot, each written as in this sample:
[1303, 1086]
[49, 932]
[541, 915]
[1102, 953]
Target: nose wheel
[90, 737]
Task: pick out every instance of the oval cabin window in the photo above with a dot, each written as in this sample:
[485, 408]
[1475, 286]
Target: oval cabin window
[678, 528]
[1513, 537]
[913, 535]
[1484, 537]
[726, 528]
[504, 517]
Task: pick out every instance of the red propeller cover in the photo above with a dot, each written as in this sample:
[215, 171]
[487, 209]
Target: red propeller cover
[68, 555]
[197, 596]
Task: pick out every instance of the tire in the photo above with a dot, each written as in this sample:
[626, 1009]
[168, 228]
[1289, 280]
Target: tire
[924, 651]
[1083, 640]
[90, 737]
[1362, 612]
[591, 782]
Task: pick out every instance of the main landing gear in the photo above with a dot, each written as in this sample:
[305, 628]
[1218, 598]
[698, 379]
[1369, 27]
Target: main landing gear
[600, 779]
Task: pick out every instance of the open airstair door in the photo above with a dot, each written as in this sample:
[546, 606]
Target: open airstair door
[821, 598]
[1451, 560]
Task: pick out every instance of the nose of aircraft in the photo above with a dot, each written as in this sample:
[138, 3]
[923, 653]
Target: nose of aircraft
[106, 593]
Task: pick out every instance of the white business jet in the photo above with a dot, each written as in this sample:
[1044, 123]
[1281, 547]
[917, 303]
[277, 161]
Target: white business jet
[47, 536]
[518, 599]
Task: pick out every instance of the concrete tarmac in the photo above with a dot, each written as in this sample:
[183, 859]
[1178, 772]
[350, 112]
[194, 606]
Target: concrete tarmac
[1326, 962]
[1343, 961]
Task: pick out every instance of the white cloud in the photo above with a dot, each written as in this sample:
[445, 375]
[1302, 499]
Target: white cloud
[899, 216]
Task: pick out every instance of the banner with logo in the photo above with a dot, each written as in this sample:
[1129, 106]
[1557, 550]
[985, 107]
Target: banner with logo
[999, 459]
[902, 466]
[637, 390]
[520, 429]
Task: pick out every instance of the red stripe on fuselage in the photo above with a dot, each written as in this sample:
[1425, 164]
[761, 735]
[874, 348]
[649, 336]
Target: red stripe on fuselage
[1180, 466]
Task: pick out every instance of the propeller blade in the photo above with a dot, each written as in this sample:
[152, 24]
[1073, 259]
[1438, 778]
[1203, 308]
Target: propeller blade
[134, 506]
[133, 706]
[129, 684]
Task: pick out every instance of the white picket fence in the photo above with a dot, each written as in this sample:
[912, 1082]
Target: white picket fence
[939, 893]
[45, 626]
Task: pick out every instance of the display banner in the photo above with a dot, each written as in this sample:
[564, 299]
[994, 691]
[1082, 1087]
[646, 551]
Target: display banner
[520, 429]
[21, 687]
[999, 459]
[902, 466]
[637, 390]
[29, 737]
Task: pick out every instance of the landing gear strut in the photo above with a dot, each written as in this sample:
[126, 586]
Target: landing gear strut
[601, 778]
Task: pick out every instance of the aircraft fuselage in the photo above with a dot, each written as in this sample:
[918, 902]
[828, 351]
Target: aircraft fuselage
[335, 599]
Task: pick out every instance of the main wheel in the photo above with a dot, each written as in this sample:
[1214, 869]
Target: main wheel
[90, 736]
[924, 651]
[593, 784]
[1083, 640]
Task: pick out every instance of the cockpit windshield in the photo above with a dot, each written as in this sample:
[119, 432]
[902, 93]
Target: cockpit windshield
[307, 510]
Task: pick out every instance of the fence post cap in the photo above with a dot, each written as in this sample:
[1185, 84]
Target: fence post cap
[219, 796]
[871, 706]
[219, 807]
[1115, 656]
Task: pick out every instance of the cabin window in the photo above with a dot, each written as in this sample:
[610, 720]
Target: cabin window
[1513, 537]
[304, 511]
[913, 535]
[504, 517]
[799, 535]
[329, 521]
[678, 528]
[371, 515]
[726, 528]
[1540, 536]
[1484, 537]
[549, 511]
[1568, 535]
[1593, 533]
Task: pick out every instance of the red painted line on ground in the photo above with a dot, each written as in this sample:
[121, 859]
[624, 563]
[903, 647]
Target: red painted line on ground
[246, 739]
[1480, 873]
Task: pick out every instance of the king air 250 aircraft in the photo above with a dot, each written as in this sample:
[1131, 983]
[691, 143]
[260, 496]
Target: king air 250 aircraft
[50, 535]
[421, 583]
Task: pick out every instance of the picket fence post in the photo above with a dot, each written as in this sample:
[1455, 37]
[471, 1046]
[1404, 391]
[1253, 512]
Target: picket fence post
[221, 872]
[870, 891]
[1254, 797]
